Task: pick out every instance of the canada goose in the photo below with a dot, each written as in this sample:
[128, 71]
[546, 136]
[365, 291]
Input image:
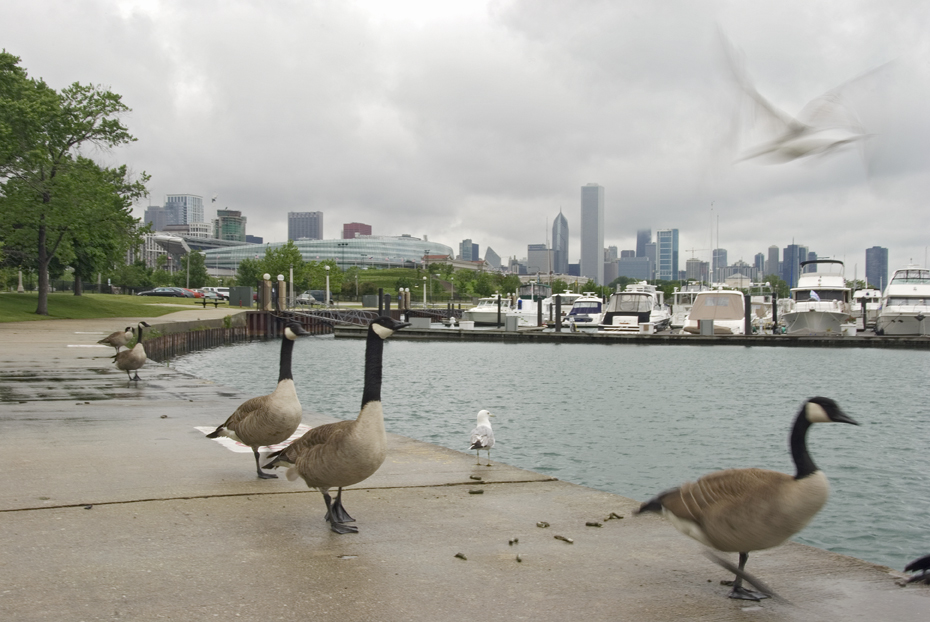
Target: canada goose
[742, 510]
[271, 418]
[482, 437]
[344, 453]
[923, 565]
[118, 339]
[132, 360]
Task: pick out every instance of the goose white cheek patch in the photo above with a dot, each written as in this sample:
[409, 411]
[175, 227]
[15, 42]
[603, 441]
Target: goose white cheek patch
[238, 447]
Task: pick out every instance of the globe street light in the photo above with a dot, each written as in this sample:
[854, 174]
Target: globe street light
[326, 302]
[424, 292]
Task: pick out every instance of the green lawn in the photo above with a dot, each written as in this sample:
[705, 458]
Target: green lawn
[65, 305]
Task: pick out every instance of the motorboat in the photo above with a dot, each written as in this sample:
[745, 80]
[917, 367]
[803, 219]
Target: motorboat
[528, 310]
[586, 312]
[871, 301]
[821, 304]
[640, 308]
[725, 307]
[485, 313]
[682, 301]
[905, 303]
[761, 300]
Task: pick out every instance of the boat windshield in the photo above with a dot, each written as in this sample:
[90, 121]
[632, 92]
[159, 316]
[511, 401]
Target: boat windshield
[803, 295]
[906, 301]
[630, 303]
[585, 307]
[911, 276]
[717, 307]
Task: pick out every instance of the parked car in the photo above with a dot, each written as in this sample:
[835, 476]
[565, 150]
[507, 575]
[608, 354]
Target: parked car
[307, 298]
[212, 296]
[183, 292]
[222, 292]
[162, 291]
[196, 293]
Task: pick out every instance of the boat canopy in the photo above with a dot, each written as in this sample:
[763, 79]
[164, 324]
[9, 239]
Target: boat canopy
[717, 306]
[630, 302]
[907, 301]
[911, 276]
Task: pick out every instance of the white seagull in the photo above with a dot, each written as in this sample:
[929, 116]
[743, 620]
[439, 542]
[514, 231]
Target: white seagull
[825, 124]
[482, 437]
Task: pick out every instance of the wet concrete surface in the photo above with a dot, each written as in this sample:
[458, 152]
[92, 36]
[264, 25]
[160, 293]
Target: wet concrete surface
[119, 509]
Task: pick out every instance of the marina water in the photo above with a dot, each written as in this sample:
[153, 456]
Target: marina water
[637, 419]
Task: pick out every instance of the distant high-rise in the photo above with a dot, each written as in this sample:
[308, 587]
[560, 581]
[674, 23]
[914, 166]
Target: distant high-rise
[560, 244]
[157, 216]
[758, 263]
[492, 258]
[592, 232]
[629, 253]
[791, 263]
[352, 229]
[771, 264]
[876, 267]
[229, 225]
[305, 225]
[184, 209]
[667, 251]
[466, 252]
[538, 259]
[475, 253]
[650, 254]
[254, 239]
[697, 270]
[643, 237]
[718, 263]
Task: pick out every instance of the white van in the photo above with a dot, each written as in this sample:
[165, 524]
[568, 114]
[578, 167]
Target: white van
[222, 292]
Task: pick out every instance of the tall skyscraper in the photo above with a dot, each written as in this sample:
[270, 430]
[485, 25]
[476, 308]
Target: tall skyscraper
[538, 259]
[643, 237]
[718, 263]
[791, 264]
[351, 229]
[475, 252]
[667, 251]
[560, 244]
[611, 254]
[184, 209]
[758, 263]
[304, 225]
[876, 267]
[592, 232]
[158, 216]
[493, 259]
[466, 252]
[229, 225]
[650, 254]
[772, 263]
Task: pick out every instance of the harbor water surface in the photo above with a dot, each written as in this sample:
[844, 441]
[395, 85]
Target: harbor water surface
[637, 419]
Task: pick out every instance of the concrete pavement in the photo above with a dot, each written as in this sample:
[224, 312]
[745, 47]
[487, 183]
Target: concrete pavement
[114, 507]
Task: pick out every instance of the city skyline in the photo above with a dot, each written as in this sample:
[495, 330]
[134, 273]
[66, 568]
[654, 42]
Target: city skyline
[383, 133]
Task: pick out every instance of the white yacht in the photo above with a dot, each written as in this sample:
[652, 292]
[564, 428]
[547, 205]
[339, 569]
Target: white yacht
[906, 303]
[528, 310]
[586, 312]
[638, 308]
[761, 297]
[821, 304]
[682, 300]
[485, 312]
[726, 307]
[872, 298]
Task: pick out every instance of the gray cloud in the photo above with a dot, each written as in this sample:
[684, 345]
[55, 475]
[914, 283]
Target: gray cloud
[486, 124]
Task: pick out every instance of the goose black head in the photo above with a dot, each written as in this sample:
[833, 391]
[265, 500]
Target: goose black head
[824, 410]
[385, 326]
[293, 330]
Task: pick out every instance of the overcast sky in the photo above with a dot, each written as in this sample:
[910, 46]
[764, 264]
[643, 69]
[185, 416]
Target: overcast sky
[481, 120]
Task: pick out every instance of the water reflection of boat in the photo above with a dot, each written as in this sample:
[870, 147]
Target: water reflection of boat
[725, 307]
[638, 308]
[821, 303]
[485, 313]
[906, 303]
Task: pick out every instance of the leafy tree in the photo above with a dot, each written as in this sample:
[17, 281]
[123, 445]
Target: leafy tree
[198, 271]
[510, 283]
[778, 285]
[48, 189]
[249, 273]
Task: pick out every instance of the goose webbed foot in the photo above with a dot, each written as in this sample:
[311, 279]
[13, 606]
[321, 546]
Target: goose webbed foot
[258, 468]
[135, 378]
[742, 593]
[342, 528]
[336, 515]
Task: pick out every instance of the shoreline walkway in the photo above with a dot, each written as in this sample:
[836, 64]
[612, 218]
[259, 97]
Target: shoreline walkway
[113, 507]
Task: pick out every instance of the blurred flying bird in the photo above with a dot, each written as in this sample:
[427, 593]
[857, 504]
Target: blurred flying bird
[824, 125]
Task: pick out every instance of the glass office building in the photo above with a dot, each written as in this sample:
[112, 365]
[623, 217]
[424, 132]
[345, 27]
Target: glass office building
[364, 251]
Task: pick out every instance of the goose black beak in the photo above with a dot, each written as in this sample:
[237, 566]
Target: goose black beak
[841, 417]
[297, 329]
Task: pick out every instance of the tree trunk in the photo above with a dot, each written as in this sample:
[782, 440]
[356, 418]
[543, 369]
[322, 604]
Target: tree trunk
[78, 284]
[42, 307]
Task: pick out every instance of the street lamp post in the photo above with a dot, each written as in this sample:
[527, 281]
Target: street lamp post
[424, 292]
[327, 286]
